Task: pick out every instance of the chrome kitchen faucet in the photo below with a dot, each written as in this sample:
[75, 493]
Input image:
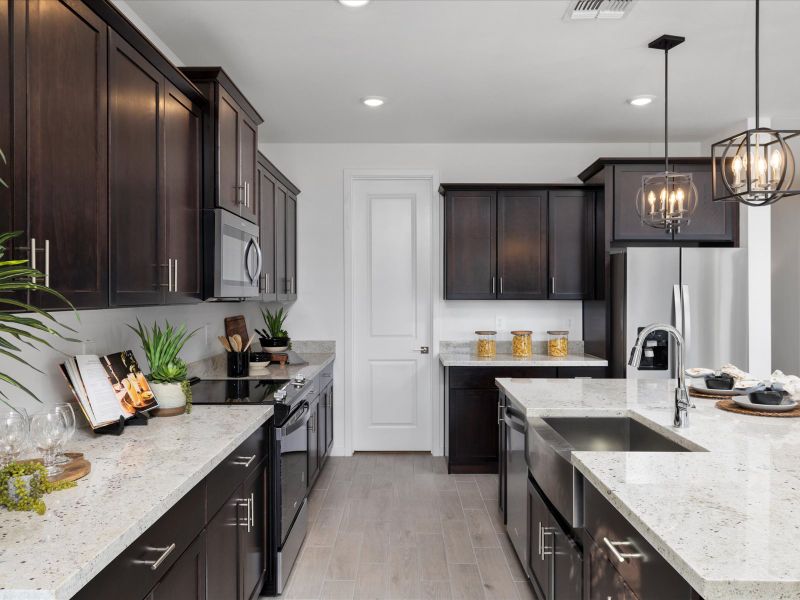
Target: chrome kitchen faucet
[682, 402]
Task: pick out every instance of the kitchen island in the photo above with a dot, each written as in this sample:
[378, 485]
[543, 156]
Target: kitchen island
[723, 516]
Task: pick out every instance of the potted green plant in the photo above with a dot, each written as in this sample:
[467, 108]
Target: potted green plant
[275, 338]
[167, 372]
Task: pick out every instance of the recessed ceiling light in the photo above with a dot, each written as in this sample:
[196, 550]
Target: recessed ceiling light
[353, 3]
[373, 101]
[641, 100]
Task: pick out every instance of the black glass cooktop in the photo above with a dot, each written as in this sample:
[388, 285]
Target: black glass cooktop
[236, 391]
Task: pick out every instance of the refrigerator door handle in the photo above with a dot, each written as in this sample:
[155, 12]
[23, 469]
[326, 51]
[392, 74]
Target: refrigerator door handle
[686, 312]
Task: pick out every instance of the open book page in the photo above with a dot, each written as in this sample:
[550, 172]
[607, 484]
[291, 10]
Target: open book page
[128, 381]
[73, 377]
[106, 404]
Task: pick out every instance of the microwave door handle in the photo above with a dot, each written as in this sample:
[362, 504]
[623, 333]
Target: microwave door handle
[247, 260]
[260, 258]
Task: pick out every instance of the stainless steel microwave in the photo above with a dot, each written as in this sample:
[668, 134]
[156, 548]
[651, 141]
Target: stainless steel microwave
[233, 266]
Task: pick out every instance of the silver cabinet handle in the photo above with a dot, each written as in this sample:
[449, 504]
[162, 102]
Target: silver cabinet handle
[539, 552]
[552, 285]
[501, 285]
[266, 284]
[175, 279]
[494, 279]
[169, 274]
[47, 263]
[252, 510]
[423, 350]
[248, 460]
[621, 556]
[547, 551]
[165, 552]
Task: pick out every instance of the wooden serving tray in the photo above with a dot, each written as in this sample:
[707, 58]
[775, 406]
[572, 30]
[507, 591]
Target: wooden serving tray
[731, 406]
[75, 469]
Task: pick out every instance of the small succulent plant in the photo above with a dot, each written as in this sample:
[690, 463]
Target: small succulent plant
[274, 322]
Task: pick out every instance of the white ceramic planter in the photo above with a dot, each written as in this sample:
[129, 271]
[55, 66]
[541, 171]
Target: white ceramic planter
[168, 395]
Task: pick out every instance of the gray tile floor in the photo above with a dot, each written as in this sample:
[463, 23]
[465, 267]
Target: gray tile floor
[397, 526]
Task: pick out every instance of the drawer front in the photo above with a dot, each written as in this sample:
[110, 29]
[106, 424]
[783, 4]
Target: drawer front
[483, 377]
[325, 377]
[235, 469]
[142, 564]
[648, 575]
[582, 372]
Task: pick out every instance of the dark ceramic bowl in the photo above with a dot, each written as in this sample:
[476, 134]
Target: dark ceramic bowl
[259, 357]
[771, 397]
[274, 342]
[719, 382]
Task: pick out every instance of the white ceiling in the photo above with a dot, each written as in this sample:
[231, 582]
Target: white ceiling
[487, 71]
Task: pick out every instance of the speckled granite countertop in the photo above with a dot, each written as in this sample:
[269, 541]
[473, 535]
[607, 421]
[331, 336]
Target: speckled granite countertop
[728, 520]
[135, 479]
[216, 367]
[573, 359]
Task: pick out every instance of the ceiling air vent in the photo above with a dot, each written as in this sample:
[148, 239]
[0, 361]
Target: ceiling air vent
[582, 10]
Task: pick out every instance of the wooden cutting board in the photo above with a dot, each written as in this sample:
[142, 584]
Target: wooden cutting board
[76, 468]
[237, 324]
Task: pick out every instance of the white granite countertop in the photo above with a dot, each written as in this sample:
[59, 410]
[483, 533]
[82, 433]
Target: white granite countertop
[135, 479]
[728, 520]
[573, 359]
[216, 367]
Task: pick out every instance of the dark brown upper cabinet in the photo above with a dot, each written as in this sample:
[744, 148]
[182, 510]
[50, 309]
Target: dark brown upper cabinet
[155, 186]
[231, 141]
[6, 117]
[509, 242]
[183, 143]
[570, 244]
[470, 255]
[713, 223]
[522, 245]
[60, 154]
[278, 222]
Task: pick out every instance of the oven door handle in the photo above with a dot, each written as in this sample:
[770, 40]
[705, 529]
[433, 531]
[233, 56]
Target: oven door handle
[298, 421]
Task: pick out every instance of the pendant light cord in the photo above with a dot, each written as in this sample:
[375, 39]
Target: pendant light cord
[758, 119]
[666, 110]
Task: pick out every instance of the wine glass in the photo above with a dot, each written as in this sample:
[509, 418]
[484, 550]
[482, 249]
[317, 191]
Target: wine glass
[48, 429]
[68, 414]
[14, 431]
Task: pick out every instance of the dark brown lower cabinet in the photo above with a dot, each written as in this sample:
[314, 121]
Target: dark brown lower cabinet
[223, 556]
[603, 579]
[186, 580]
[253, 534]
[329, 420]
[472, 443]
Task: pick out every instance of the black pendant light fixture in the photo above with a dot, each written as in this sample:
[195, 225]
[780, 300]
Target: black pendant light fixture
[666, 200]
[755, 167]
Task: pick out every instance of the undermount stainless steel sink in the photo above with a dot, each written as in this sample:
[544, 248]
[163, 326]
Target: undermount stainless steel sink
[611, 434]
[552, 440]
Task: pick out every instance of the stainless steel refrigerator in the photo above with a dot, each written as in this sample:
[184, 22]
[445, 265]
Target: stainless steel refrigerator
[701, 291]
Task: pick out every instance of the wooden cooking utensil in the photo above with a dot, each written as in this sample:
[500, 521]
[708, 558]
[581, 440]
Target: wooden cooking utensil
[232, 342]
[250, 341]
[224, 341]
[238, 339]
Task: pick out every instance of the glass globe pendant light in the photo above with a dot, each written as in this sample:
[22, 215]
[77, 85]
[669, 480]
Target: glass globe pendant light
[666, 200]
[755, 167]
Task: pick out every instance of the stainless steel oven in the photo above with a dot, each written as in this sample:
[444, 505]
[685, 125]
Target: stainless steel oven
[233, 267]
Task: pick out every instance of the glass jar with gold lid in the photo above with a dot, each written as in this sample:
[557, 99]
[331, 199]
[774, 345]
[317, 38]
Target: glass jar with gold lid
[521, 345]
[486, 346]
[558, 343]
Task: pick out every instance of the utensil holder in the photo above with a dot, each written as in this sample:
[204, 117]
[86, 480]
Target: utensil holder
[238, 364]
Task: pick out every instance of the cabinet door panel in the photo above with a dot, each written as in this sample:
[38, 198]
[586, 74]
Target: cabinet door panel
[540, 543]
[291, 247]
[228, 122]
[627, 222]
[223, 543]
[267, 193]
[135, 147]
[66, 80]
[6, 115]
[712, 221]
[567, 565]
[186, 580]
[472, 431]
[522, 245]
[603, 580]
[470, 245]
[329, 421]
[254, 539]
[182, 148]
[281, 279]
[313, 454]
[571, 244]
[248, 140]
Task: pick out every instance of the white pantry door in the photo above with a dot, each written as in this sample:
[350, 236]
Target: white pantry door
[392, 304]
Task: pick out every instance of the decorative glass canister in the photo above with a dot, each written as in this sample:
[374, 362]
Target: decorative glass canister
[487, 344]
[558, 343]
[521, 345]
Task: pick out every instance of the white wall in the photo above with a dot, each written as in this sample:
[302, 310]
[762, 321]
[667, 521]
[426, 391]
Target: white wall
[317, 169]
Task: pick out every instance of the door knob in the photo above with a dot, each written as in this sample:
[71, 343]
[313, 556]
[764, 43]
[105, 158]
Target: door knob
[423, 350]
